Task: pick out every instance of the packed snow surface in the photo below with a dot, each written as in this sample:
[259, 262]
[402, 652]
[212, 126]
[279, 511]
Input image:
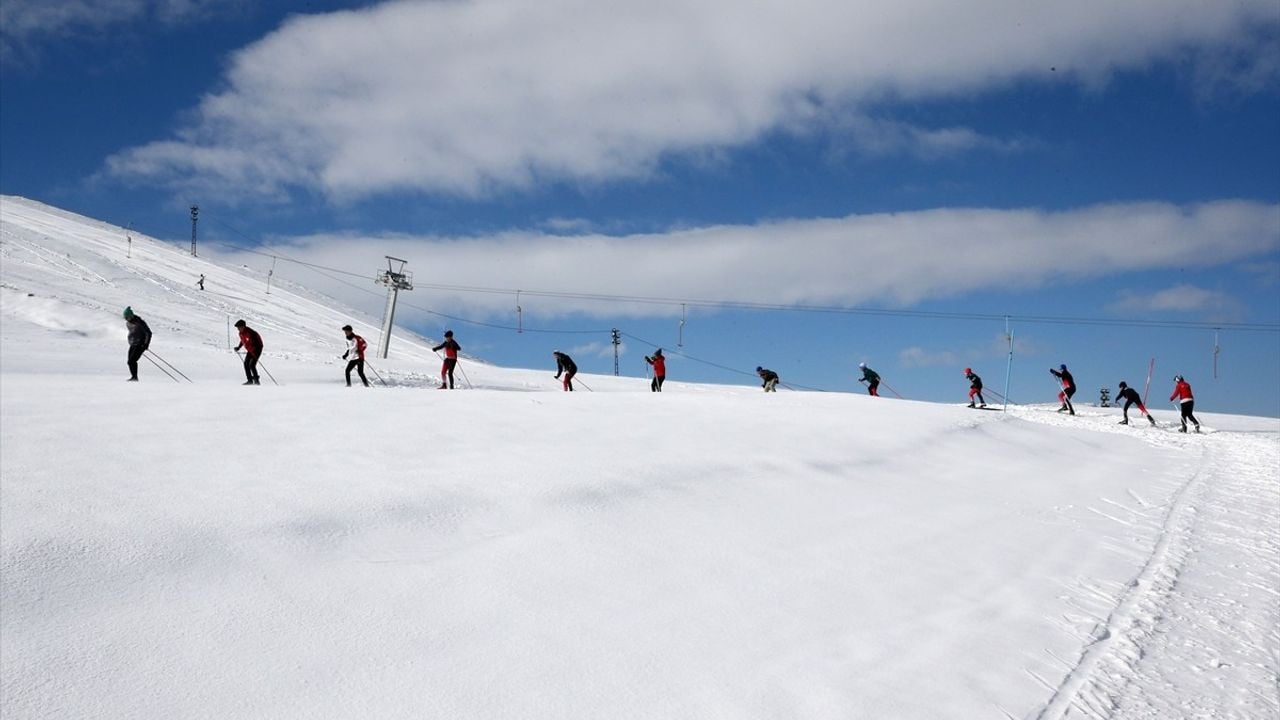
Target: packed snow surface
[306, 550]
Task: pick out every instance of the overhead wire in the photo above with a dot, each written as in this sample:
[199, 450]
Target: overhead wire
[687, 356]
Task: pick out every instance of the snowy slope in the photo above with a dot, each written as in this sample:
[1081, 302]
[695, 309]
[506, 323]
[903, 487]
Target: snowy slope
[205, 550]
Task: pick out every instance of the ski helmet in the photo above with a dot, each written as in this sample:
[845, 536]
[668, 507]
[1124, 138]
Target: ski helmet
[968, 371]
[862, 365]
[128, 313]
[1177, 378]
[1123, 385]
[658, 352]
[1062, 367]
[346, 328]
[448, 333]
[240, 323]
[759, 368]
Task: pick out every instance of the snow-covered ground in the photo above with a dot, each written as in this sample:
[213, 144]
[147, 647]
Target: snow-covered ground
[207, 550]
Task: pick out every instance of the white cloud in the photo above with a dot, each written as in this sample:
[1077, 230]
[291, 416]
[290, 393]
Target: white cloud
[470, 97]
[896, 258]
[1180, 298]
[915, 356]
[26, 23]
[875, 136]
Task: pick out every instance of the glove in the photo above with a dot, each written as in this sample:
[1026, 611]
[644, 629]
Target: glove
[344, 355]
[237, 348]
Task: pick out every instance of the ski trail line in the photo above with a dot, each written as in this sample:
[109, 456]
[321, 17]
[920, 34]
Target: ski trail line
[1157, 576]
[1196, 633]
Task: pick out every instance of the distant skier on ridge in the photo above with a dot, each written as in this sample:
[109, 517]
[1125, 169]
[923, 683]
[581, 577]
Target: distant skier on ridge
[251, 341]
[139, 341]
[451, 348]
[354, 355]
[1187, 401]
[1131, 397]
[565, 365]
[871, 378]
[1068, 388]
[769, 377]
[659, 364]
[975, 387]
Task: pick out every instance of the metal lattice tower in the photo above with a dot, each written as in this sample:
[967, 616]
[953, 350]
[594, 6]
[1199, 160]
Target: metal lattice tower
[195, 212]
[617, 340]
[395, 280]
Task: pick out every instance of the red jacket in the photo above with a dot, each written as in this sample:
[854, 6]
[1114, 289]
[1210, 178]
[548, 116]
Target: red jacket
[659, 364]
[1182, 391]
[250, 340]
[357, 344]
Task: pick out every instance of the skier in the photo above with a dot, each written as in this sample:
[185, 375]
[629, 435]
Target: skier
[659, 364]
[1182, 391]
[200, 282]
[1131, 397]
[871, 378]
[1068, 388]
[356, 345]
[251, 341]
[139, 341]
[451, 348]
[565, 365]
[975, 387]
[769, 377]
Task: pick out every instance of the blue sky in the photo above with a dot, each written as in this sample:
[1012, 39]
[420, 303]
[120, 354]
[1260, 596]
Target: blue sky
[995, 158]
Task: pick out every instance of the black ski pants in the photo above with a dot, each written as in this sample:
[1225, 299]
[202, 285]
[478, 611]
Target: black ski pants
[251, 366]
[1187, 408]
[135, 354]
[656, 385]
[358, 366]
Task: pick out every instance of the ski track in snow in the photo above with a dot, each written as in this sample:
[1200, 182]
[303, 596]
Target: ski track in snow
[1206, 602]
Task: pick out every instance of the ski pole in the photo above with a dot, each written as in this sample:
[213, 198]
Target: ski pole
[890, 389]
[264, 369]
[588, 387]
[375, 373]
[171, 367]
[166, 372]
[268, 372]
[998, 395]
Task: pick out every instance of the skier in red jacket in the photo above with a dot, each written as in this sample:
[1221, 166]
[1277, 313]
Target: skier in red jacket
[1182, 392]
[659, 364]
[354, 355]
[251, 341]
[451, 348]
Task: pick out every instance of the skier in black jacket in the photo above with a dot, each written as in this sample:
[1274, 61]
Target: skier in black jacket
[1068, 388]
[565, 365]
[1130, 397]
[975, 387]
[769, 377]
[139, 341]
[451, 348]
